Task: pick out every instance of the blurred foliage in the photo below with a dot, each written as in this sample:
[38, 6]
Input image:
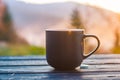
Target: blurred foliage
[14, 44]
[76, 21]
[117, 35]
[7, 33]
[116, 50]
[21, 50]
[7, 17]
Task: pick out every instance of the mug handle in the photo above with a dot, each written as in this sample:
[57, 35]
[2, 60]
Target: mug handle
[98, 41]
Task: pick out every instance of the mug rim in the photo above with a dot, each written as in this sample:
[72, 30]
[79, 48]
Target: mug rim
[64, 30]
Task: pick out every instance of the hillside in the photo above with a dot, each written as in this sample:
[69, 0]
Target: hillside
[31, 20]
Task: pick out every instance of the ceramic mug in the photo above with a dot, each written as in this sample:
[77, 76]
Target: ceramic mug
[65, 48]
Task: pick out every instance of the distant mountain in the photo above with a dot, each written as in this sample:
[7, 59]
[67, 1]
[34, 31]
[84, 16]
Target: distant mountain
[31, 17]
[31, 20]
[27, 13]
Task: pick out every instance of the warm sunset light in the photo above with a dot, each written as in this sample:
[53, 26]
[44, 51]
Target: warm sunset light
[60, 39]
[113, 5]
[69, 32]
[24, 22]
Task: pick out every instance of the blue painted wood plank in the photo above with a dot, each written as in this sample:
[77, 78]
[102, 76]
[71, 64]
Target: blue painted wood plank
[36, 68]
[96, 56]
[62, 76]
[8, 58]
[25, 63]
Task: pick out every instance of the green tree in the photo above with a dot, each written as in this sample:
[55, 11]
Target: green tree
[76, 21]
[8, 33]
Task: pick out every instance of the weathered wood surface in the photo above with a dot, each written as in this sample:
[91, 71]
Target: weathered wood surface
[96, 67]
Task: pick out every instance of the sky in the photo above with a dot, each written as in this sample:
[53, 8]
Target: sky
[113, 5]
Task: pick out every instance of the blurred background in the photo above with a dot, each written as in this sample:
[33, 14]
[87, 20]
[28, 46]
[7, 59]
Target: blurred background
[23, 24]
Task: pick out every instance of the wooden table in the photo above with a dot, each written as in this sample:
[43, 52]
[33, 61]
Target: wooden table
[96, 67]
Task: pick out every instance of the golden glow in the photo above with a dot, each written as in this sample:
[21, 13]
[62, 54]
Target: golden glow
[113, 5]
[69, 32]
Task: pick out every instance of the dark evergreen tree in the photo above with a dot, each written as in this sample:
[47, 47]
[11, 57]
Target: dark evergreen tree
[76, 21]
[8, 34]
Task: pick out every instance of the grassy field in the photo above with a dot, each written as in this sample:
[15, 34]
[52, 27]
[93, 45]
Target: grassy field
[21, 50]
